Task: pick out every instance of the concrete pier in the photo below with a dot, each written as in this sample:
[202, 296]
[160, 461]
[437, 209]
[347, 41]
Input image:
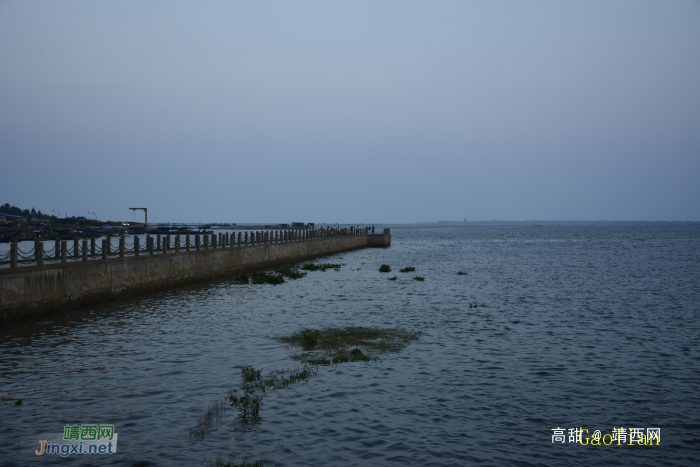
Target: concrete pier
[43, 288]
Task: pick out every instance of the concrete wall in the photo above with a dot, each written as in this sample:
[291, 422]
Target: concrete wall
[37, 289]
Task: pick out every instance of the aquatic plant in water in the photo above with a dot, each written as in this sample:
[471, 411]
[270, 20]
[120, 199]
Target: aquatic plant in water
[255, 386]
[267, 278]
[392, 278]
[242, 279]
[248, 405]
[323, 347]
[384, 268]
[462, 273]
[219, 462]
[408, 269]
[350, 344]
[210, 419]
[419, 278]
[322, 266]
[290, 272]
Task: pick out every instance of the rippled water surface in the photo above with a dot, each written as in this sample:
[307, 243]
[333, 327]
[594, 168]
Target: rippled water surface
[593, 327]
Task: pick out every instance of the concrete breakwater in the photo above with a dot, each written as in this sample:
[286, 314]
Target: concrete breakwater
[45, 287]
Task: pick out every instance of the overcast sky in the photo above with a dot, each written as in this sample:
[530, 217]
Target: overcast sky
[377, 111]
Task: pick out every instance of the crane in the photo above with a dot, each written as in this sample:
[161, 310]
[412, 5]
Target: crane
[145, 211]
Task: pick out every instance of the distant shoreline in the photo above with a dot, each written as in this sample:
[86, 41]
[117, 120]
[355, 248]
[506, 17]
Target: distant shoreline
[566, 223]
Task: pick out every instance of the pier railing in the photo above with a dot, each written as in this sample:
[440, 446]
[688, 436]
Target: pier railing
[104, 248]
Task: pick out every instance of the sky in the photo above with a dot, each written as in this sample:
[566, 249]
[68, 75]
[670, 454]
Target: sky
[352, 112]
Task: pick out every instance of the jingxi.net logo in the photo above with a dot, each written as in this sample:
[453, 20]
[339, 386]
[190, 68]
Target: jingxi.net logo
[80, 439]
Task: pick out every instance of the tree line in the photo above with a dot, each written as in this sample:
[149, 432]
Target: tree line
[28, 213]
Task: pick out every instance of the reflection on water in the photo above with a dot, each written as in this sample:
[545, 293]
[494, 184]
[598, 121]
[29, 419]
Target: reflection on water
[575, 326]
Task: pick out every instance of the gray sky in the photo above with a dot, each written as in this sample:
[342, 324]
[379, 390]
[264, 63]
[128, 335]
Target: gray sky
[352, 111]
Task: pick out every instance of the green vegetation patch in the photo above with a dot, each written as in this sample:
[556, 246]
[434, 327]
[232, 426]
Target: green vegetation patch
[419, 278]
[248, 398]
[267, 278]
[320, 266]
[408, 269]
[462, 273]
[211, 418]
[392, 278]
[219, 462]
[291, 272]
[384, 268]
[350, 344]
[243, 279]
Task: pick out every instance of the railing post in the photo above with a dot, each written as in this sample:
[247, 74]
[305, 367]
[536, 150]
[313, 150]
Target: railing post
[122, 245]
[158, 247]
[85, 250]
[39, 252]
[13, 254]
[166, 244]
[239, 239]
[205, 241]
[149, 245]
[137, 246]
[177, 243]
[105, 248]
[92, 246]
[197, 242]
[246, 239]
[109, 245]
[75, 248]
[213, 239]
[64, 251]
[187, 240]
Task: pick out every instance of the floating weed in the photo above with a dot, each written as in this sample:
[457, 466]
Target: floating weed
[309, 339]
[256, 386]
[243, 279]
[333, 345]
[18, 401]
[290, 272]
[462, 273]
[267, 278]
[248, 405]
[419, 278]
[384, 268]
[219, 462]
[392, 278]
[408, 269]
[250, 374]
[321, 266]
[210, 419]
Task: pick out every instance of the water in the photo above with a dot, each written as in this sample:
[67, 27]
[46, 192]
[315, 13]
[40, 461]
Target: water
[592, 327]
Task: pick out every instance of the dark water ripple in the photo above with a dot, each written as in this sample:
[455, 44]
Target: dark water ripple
[575, 326]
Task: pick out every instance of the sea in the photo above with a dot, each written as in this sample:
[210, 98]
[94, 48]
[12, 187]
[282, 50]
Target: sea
[552, 332]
